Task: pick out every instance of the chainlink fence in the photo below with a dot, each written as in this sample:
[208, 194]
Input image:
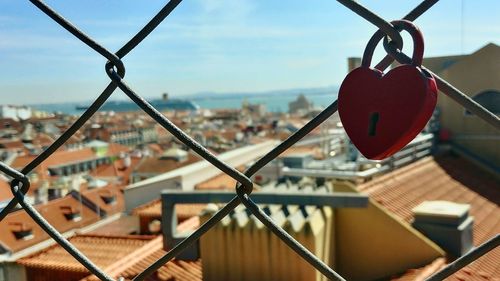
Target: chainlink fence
[115, 69]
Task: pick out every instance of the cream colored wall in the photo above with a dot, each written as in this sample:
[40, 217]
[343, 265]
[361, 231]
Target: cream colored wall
[359, 243]
[472, 74]
[372, 244]
[242, 248]
[12, 271]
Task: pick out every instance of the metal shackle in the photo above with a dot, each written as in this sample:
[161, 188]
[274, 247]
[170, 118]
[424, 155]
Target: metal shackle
[414, 31]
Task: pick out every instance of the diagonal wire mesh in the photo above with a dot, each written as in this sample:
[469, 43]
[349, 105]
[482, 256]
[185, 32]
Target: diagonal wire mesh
[115, 69]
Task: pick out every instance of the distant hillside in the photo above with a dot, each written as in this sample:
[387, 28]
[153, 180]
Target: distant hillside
[288, 92]
[276, 100]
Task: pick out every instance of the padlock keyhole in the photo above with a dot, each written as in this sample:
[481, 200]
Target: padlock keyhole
[372, 128]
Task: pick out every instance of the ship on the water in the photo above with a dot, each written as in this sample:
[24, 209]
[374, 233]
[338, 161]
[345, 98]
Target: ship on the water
[163, 104]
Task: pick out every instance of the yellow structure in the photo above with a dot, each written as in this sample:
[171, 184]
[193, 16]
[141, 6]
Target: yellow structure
[477, 75]
[240, 247]
[372, 243]
[359, 243]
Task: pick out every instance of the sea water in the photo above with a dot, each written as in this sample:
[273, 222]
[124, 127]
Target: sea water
[273, 103]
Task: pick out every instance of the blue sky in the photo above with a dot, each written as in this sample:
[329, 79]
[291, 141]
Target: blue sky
[212, 45]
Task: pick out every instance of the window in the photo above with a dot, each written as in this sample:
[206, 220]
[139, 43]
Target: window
[489, 99]
[71, 214]
[21, 231]
[108, 198]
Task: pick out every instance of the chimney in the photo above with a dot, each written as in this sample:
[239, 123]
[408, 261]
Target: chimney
[176, 154]
[448, 224]
[353, 62]
[127, 161]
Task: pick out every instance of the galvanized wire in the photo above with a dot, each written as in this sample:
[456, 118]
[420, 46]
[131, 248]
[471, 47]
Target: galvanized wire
[411, 16]
[116, 72]
[466, 259]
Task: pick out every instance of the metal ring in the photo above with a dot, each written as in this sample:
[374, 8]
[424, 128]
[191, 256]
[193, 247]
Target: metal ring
[17, 177]
[411, 16]
[371, 45]
[417, 37]
[418, 44]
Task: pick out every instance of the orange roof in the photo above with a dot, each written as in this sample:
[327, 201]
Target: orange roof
[221, 181]
[54, 212]
[116, 148]
[74, 139]
[9, 123]
[116, 169]
[11, 144]
[42, 139]
[102, 250]
[294, 150]
[105, 170]
[176, 270]
[422, 273]
[159, 166]
[153, 209]
[125, 225]
[99, 196]
[57, 158]
[134, 262]
[5, 193]
[155, 147]
[452, 179]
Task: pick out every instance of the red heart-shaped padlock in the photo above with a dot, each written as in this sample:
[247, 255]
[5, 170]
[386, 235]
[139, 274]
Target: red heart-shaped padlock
[382, 113]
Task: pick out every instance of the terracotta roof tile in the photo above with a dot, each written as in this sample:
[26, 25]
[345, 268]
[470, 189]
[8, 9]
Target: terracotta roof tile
[11, 144]
[106, 170]
[109, 199]
[116, 149]
[42, 139]
[153, 210]
[447, 178]
[294, 150]
[57, 158]
[125, 225]
[156, 148]
[5, 193]
[117, 169]
[54, 212]
[422, 273]
[221, 181]
[159, 166]
[134, 262]
[9, 123]
[102, 250]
